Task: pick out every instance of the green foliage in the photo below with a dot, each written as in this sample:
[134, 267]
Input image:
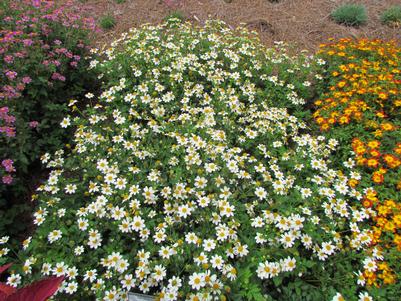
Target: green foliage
[392, 16]
[119, 1]
[350, 15]
[107, 22]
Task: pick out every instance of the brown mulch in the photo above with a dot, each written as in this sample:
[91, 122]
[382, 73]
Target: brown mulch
[305, 23]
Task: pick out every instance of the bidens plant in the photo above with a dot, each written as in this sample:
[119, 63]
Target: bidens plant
[190, 180]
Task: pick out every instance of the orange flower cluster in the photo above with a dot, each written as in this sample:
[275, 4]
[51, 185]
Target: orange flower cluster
[364, 98]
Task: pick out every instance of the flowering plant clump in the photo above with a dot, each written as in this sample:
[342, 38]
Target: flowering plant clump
[43, 62]
[191, 180]
[362, 106]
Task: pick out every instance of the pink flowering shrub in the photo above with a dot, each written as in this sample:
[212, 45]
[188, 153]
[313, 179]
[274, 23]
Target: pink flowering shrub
[43, 62]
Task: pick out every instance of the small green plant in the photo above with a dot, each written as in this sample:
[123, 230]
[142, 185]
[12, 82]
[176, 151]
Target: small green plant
[120, 1]
[107, 22]
[175, 15]
[392, 16]
[350, 15]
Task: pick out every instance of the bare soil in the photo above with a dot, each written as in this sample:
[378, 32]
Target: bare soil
[304, 23]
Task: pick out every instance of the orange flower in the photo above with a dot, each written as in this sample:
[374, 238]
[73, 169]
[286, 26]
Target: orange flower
[381, 114]
[344, 119]
[325, 127]
[372, 162]
[391, 160]
[377, 177]
[389, 278]
[353, 182]
[389, 226]
[383, 95]
[387, 126]
[367, 203]
[341, 84]
[374, 153]
[383, 210]
[373, 144]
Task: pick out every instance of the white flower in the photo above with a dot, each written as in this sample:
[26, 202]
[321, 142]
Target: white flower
[66, 122]
[261, 193]
[369, 264]
[90, 275]
[70, 188]
[14, 280]
[54, 235]
[197, 280]
[209, 245]
[71, 287]
[364, 296]
[78, 250]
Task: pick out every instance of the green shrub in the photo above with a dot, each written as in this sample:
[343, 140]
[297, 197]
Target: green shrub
[107, 22]
[43, 55]
[350, 14]
[194, 178]
[392, 16]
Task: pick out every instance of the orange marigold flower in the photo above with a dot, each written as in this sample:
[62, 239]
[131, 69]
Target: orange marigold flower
[378, 133]
[377, 177]
[374, 153]
[389, 226]
[391, 160]
[359, 150]
[361, 160]
[373, 144]
[358, 115]
[390, 203]
[320, 120]
[381, 114]
[325, 127]
[367, 203]
[353, 182]
[331, 120]
[341, 84]
[381, 221]
[383, 210]
[387, 126]
[372, 162]
[344, 119]
[389, 278]
[383, 95]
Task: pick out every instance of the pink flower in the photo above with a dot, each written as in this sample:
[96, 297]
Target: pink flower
[58, 76]
[27, 42]
[7, 179]
[33, 124]
[3, 110]
[11, 74]
[26, 79]
[8, 165]
[9, 59]
[36, 3]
